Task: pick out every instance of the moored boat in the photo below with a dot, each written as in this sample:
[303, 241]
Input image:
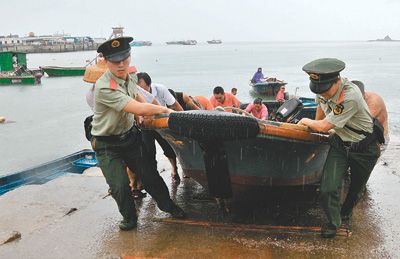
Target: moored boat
[13, 70]
[182, 42]
[269, 88]
[214, 41]
[74, 163]
[137, 43]
[234, 155]
[63, 71]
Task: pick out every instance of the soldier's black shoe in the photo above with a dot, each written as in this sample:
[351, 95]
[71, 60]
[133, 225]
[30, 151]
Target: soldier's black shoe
[126, 224]
[177, 212]
[346, 220]
[328, 231]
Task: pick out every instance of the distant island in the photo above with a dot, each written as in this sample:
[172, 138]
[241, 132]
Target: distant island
[387, 38]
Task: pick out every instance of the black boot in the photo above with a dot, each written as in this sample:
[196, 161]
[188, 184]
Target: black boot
[177, 212]
[328, 231]
[128, 224]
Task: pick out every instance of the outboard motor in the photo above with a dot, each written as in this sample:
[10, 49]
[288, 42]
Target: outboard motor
[289, 110]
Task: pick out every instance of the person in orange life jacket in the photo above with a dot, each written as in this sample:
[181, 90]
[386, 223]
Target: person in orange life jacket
[187, 102]
[204, 102]
[220, 98]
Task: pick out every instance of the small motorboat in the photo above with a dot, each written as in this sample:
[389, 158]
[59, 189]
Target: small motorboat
[269, 87]
[137, 43]
[53, 71]
[235, 155]
[214, 41]
[74, 163]
[182, 42]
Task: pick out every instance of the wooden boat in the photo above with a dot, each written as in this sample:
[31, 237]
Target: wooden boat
[269, 88]
[63, 71]
[74, 163]
[13, 70]
[234, 155]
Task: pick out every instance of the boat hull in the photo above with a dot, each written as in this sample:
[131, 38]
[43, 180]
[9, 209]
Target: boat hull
[214, 41]
[183, 42]
[64, 71]
[267, 88]
[75, 163]
[140, 43]
[18, 80]
[254, 163]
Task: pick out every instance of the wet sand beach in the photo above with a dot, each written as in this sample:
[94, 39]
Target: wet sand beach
[90, 229]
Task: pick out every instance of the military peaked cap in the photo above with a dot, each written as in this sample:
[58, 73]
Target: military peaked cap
[323, 73]
[116, 50]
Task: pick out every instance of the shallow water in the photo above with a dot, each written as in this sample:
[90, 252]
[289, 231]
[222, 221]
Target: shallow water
[48, 118]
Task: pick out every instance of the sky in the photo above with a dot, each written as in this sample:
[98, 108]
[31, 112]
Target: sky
[228, 20]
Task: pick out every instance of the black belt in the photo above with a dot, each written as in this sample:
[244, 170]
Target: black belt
[121, 137]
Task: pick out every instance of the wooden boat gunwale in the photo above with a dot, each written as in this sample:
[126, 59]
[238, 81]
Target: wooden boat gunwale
[57, 71]
[62, 68]
[267, 128]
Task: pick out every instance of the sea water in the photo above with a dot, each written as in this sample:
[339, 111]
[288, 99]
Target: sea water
[46, 121]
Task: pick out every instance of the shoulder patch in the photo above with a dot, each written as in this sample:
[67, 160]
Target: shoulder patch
[338, 109]
[113, 84]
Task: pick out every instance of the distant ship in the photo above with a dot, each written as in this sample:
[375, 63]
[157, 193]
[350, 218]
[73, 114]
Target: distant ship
[182, 42]
[214, 41]
[137, 43]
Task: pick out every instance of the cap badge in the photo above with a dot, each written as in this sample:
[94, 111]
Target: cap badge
[314, 76]
[115, 44]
